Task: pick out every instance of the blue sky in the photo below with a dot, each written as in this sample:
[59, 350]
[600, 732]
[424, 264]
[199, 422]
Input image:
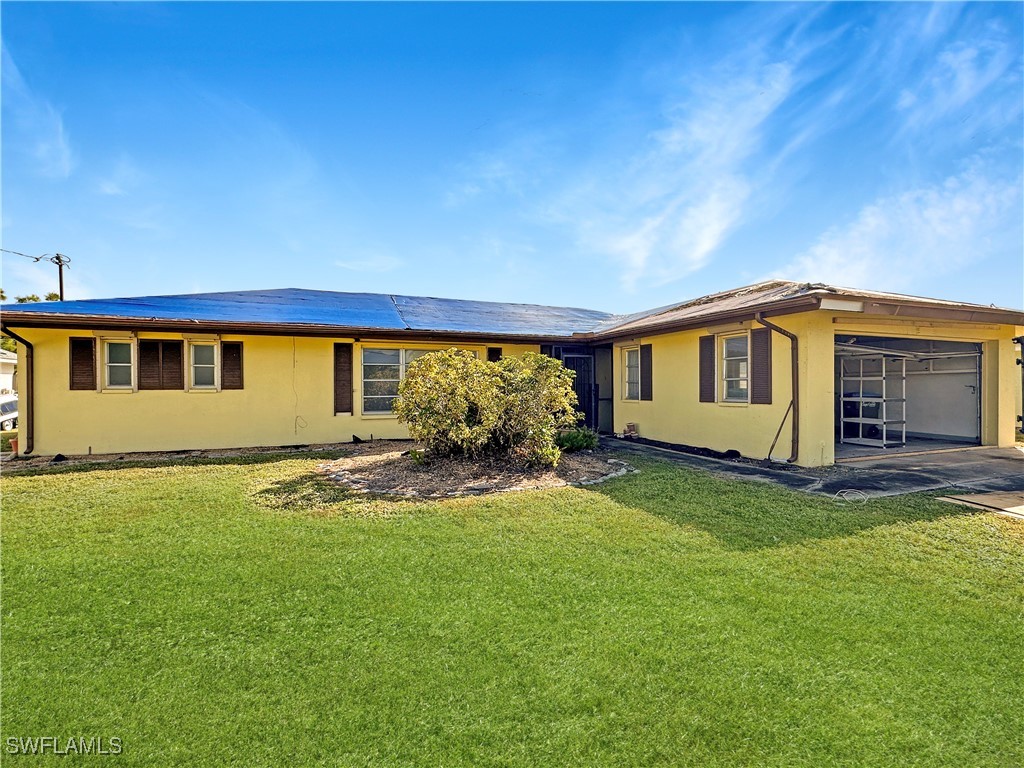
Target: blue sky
[612, 156]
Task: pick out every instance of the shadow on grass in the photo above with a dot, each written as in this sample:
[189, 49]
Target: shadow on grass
[311, 493]
[172, 461]
[749, 515]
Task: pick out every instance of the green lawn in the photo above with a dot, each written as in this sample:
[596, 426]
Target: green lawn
[5, 440]
[250, 614]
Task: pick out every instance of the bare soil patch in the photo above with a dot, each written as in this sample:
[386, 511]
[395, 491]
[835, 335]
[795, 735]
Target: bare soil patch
[386, 467]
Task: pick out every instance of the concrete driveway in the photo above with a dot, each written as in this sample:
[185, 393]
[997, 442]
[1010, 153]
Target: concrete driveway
[973, 469]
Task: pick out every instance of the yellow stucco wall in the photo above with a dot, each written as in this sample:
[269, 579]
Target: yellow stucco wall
[288, 399]
[675, 414]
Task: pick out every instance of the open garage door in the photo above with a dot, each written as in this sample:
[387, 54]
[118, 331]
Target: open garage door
[904, 394]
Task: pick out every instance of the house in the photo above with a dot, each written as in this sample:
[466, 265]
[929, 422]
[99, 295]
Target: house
[797, 371]
[8, 365]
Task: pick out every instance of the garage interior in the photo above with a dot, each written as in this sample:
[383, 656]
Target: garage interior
[896, 395]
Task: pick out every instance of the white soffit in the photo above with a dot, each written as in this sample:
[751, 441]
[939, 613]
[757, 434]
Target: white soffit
[842, 305]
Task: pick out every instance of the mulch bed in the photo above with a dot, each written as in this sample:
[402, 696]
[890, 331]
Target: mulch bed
[385, 467]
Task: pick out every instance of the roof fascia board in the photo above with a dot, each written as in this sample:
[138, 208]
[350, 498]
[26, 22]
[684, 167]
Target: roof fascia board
[962, 314]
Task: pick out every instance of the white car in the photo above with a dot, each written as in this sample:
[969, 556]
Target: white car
[8, 413]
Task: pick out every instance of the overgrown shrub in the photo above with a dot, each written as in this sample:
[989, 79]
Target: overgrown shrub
[580, 439]
[451, 401]
[537, 401]
[460, 405]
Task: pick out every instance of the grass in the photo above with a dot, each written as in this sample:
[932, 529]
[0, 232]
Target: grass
[5, 440]
[250, 613]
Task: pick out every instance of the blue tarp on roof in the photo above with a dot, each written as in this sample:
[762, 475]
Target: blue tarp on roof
[294, 306]
[422, 314]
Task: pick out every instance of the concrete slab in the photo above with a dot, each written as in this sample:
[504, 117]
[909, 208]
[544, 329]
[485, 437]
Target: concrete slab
[889, 482]
[972, 469]
[1009, 504]
[994, 469]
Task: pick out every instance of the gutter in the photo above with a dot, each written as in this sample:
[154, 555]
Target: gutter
[1020, 362]
[794, 403]
[29, 388]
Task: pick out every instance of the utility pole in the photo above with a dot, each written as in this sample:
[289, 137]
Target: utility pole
[60, 260]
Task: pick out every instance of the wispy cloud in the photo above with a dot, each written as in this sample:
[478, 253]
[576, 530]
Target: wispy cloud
[39, 131]
[740, 127]
[659, 200]
[900, 239]
[964, 70]
[689, 190]
[665, 212]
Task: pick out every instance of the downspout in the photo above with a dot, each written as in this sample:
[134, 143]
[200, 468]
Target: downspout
[29, 392]
[794, 404]
[1020, 362]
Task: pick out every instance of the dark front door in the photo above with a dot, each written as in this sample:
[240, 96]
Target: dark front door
[583, 383]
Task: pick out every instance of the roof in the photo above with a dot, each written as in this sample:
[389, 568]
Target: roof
[334, 313]
[781, 296]
[759, 295]
[298, 308]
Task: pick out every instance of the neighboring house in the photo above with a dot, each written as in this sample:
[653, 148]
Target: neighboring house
[8, 365]
[873, 371]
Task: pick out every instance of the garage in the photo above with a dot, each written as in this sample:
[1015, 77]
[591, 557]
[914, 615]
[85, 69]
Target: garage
[905, 394]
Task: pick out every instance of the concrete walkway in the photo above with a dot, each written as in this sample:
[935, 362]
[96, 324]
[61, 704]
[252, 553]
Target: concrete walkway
[975, 469]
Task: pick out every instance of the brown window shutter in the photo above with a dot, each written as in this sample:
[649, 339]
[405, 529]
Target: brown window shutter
[83, 363]
[172, 368]
[149, 365]
[343, 378]
[231, 365]
[161, 365]
[761, 366]
[646, 373]
[707, 369]
[493, 354]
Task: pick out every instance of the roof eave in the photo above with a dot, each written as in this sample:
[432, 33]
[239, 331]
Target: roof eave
[962, 313]
[47, 320]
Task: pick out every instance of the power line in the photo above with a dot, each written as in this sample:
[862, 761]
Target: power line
[54, 258]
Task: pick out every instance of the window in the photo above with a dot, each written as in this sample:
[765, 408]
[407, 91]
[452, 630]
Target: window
[119, 364]
[632, 366]
[383, 370]
[204, 366]
[735, 377]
